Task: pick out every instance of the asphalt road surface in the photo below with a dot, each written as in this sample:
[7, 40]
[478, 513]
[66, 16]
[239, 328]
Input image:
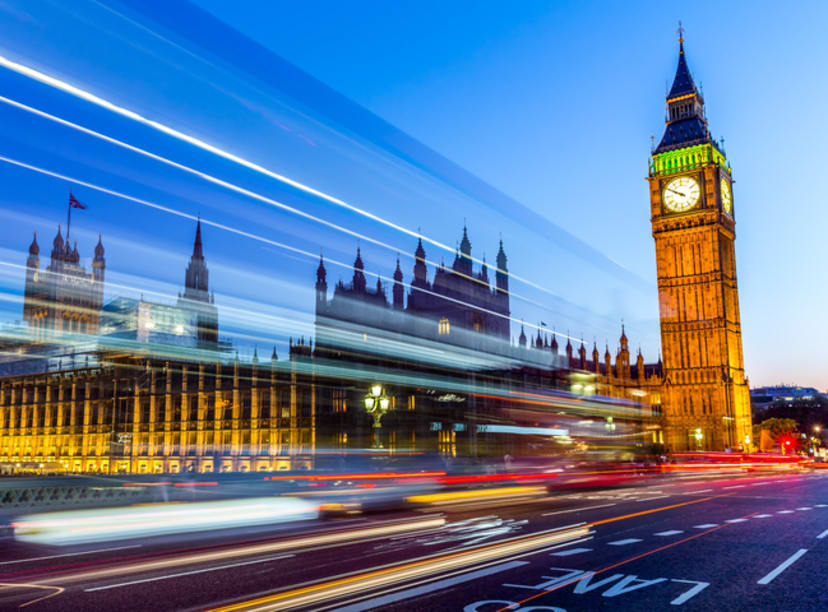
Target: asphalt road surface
[733, 542]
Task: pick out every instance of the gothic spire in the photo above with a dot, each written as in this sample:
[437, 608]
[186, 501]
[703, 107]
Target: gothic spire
[34, 248]
[683, 81]
[197, 248]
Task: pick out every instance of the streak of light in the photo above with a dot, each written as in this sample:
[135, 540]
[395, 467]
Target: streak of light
[453, 496]
[305, 596]
[205, 146]
[346, 536]
[57, 590]
[74, 526]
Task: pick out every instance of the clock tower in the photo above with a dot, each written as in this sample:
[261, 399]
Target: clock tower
[705, 397]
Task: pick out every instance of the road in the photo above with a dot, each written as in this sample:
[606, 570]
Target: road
[731, 542]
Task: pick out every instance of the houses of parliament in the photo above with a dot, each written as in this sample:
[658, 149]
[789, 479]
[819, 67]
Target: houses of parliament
[131, 385]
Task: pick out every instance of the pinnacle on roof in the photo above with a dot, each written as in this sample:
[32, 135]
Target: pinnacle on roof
[420, 252]
[34, 248]
[57, 243]
[465, 243]
[197, 247]
[358, 261]
[501, 257]
[99, 248]
[398, 275]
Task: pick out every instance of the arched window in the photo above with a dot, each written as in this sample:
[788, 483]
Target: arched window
[443, 327]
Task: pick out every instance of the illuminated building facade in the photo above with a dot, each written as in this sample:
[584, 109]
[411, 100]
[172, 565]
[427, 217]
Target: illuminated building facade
[705, 393]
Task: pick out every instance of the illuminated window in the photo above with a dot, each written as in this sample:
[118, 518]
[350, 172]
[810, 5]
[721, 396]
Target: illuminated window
[443, 327]
[477, 326]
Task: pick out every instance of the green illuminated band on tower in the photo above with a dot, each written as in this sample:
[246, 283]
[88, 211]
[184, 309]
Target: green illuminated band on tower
[687, 158]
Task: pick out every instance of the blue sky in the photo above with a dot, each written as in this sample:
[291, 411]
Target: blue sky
[551, 103]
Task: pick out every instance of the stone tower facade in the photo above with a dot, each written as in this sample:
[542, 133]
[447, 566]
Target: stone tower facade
[705, 394]
[63, 297]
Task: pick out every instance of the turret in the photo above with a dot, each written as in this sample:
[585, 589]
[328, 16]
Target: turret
[99, 262]
[399, 290]
[321, 284]
[463, 263]
[569, 360]
[522, 337]
[196, 279]
[596, 358]
[33, 260]
[553, 346]
[582, 356]
[608, 361]
[57, 246]
[420, 271]
[359, 275]
[502, 274]
[639, 365]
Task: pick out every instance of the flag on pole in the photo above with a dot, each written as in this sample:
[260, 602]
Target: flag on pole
[73, 203]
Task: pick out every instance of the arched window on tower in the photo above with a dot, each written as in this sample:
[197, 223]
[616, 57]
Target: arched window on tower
[443, 327]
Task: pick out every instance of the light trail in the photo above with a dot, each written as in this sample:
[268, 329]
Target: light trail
[196, 142]
[285, 246]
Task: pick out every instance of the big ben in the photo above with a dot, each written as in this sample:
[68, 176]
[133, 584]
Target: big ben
[705, 399]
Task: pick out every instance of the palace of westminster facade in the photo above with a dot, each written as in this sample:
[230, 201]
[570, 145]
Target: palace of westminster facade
[148, 387]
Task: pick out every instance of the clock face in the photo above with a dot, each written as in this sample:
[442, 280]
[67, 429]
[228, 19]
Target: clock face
[727, 198]
[681, 194]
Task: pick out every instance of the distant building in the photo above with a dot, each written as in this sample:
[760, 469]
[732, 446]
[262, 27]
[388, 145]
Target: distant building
[63, 297]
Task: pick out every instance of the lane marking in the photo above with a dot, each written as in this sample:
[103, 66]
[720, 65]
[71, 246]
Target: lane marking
[819, 505]
[625, 542]
[735, 487]
[822, 535]
[804, 508]
[785, 512]
[699, 491]
[782, 567]
[705, 526]
[198, 571]
[429, 587]
[669, 532]
[652, 498]
[578, 509]
[74, 554]
[573, 551]
[736, 520]
[762, 515]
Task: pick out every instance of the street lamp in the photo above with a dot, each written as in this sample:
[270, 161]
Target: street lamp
[376, 404]
[698, 435]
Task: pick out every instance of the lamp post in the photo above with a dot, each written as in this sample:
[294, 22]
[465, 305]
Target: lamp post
[698, 435]
[376, 404]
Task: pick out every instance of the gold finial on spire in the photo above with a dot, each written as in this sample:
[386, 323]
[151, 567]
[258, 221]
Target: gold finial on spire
[680, 32]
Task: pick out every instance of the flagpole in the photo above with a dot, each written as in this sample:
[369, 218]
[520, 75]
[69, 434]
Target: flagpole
[68, 216]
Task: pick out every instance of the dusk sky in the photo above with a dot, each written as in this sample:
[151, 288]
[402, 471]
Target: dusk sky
[545, 102]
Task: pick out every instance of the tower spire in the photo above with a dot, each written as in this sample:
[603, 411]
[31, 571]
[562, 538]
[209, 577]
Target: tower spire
[197, 247]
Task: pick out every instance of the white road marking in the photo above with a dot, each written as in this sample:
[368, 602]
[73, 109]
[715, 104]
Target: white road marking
[735, 487]
[577, 509]
[785, 512]
[819, 505]
[705, 526]
[643, 499]
[199, 571]
[668, 532]
[625, 542]
[571, 551]
[378, 602]
[782, 567]
[822, 535]
[736, 520]
[699, 491]
[803, 508]
[762, 516]
[74, 554]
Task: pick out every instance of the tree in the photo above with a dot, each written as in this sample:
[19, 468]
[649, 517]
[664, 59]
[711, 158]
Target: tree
[777, 428]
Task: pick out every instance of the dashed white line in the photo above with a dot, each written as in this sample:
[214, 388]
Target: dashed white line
[822, 535]
[820, 506]
[705, 526]
[736, 520]
[643, 499]
[699, 491]
[762, 515]
[804, 508]
[785, 512]
[735, 487]
[571, 551]
[782, 567]
[625, 542]
[669, 532]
